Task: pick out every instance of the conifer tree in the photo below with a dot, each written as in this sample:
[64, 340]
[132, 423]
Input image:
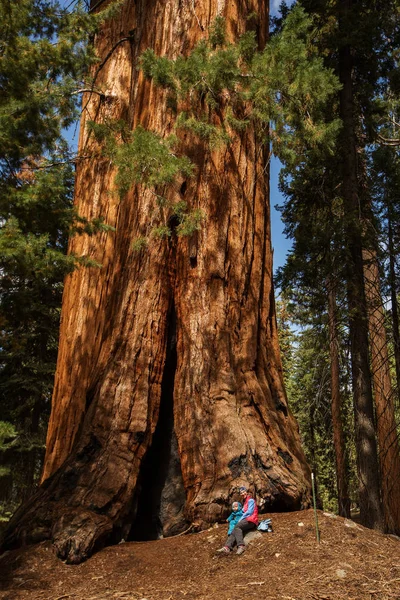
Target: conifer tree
[313, 277]
[383, 377]
[385, 179]
[337, 403]
[363, 58]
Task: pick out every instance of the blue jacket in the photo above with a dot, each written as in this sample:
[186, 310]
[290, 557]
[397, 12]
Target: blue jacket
[234, 518]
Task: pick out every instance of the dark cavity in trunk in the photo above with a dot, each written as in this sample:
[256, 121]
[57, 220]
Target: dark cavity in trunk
[161, 495]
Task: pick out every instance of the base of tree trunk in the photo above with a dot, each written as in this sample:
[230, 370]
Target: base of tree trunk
[158, 508]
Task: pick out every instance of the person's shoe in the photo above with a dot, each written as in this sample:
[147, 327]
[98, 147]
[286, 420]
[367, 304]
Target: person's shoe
[224, 550]
[241, 549]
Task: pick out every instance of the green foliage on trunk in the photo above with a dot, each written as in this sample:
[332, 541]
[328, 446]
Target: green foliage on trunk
[282, 90]
[215, 93]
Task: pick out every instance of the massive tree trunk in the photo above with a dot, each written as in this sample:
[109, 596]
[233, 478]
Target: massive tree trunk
[169, 389]
[388, 442]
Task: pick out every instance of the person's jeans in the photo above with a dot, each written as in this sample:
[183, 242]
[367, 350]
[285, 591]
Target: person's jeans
[236, 536]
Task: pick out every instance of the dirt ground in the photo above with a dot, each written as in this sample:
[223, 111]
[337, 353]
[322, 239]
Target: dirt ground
[351, 563]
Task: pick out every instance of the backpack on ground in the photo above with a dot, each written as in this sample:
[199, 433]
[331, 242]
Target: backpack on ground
[265, 526]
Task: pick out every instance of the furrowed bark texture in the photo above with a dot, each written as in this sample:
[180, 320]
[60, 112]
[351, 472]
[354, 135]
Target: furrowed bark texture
[384, 395]
[189, 323]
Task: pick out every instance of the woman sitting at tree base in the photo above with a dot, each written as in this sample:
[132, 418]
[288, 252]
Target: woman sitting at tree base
[248, 522]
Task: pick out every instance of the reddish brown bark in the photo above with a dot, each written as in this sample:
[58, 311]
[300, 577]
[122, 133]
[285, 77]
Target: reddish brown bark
[389, 454]
[188, 323]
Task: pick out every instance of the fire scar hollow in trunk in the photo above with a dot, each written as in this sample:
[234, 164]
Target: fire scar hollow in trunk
[168, 391]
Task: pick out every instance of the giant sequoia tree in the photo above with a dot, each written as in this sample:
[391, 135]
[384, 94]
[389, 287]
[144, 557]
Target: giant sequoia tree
[168, 391]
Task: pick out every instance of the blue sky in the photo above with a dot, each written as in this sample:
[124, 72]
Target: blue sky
[274, 6]
[280, 243]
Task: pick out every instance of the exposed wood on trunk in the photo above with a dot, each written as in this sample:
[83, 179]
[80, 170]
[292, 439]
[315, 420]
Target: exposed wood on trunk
[336, 407]
[231, 419]
[389, 456]
[366, 447]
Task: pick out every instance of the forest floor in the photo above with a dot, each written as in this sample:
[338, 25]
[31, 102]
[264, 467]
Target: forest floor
[350, 563]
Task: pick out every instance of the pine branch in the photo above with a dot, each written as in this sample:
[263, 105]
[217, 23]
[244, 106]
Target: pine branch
[90, 91]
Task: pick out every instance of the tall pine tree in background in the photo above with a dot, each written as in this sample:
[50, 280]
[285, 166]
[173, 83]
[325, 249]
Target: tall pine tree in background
[364, 59]
[385, 186]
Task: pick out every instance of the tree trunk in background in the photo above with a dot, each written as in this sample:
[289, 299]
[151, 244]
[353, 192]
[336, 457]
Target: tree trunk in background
[389, 456]
[336, 408]
[366, 447]
[169, 387]
[393, 299]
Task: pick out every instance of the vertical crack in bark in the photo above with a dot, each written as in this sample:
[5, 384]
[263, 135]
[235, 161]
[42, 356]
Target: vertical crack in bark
[160, 490]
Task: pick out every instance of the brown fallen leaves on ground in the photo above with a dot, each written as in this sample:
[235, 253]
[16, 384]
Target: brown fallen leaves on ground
[350, 563]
